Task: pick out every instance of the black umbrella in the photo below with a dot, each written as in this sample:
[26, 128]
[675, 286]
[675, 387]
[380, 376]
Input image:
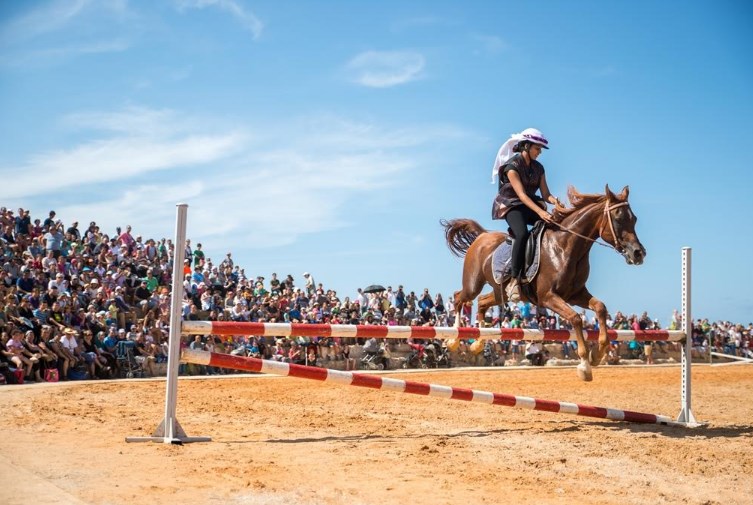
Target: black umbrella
[374, 288]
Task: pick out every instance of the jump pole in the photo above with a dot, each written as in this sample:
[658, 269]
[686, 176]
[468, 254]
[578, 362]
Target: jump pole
[228, 328]
[417, 388]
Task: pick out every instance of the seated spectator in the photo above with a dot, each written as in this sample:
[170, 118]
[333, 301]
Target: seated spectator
[95, 362]
[47, 359]
[535, 353]
[108, 347]
[71, 346]
[143, 298]
[14, 352]
[145, 354]
[64, 359]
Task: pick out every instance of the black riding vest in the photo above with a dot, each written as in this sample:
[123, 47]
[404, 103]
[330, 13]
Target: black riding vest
[530, 176]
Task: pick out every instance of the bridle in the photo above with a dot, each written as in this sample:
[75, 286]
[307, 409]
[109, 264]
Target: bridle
[608, 212]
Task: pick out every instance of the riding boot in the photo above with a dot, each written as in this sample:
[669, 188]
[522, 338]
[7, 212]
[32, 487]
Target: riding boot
[513, 290]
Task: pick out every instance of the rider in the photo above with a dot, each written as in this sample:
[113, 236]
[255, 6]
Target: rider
[520, 177]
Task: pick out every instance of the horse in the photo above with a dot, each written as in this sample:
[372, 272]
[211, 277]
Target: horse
[564, 264]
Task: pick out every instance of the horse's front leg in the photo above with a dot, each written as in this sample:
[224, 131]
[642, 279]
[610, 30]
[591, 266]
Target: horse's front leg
[601, 315]
[565, 311]
[586, 299]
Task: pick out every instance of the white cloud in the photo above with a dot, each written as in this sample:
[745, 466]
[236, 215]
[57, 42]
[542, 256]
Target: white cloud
[145, 141]
[382, 69]
[246, 18]
[253, 186]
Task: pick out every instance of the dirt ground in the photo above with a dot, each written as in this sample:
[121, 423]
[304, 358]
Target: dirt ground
[291, 441]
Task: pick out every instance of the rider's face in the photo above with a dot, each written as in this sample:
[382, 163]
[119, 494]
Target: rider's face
[534, 151]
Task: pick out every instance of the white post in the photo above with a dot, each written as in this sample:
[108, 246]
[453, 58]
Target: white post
[169, 431]
[686, 413]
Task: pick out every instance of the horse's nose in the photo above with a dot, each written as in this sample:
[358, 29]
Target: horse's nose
[638, 255]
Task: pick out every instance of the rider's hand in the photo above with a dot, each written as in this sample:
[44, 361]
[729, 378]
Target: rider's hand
[545, 216]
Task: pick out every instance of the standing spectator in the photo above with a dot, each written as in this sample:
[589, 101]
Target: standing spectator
[74, 232]
[439, 307]
[362, 300]
[188, 252]
[23, 227]
[198, 256]
[310, 285]
[49, 221]
[228, 261]
[274, 284]
[126, 240]
[289, 282]
[400, 302]
[411, 301]
[53, 239]
[425, 303]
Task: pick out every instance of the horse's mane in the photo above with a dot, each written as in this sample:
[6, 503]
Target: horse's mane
[577, 201]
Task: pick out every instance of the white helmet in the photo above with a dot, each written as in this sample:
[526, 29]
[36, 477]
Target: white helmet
[534, 136]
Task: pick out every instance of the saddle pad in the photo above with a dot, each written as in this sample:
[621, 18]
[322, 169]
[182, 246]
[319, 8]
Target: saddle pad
[501, 262]
[502, 259]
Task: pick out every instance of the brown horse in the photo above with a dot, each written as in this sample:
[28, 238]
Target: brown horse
[564, 267]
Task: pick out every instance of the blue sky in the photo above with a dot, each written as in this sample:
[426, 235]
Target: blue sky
[332, 137]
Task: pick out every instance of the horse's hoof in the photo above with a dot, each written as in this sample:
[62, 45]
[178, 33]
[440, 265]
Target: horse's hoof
[585, 374]
[477, 347]
[453, 344]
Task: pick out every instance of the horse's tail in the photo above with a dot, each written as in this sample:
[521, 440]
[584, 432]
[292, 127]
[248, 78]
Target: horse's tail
[460, 234]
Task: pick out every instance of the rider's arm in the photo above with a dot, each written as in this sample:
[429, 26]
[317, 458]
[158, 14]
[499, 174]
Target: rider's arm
[517, 185]
[549, 197]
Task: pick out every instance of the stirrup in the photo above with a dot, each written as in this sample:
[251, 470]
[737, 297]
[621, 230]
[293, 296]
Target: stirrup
[513, 290]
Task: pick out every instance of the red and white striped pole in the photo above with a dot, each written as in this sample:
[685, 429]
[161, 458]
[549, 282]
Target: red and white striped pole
[418, 332]
[418, 388]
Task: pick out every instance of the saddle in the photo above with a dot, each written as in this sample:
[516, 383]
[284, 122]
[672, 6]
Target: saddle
[502, 256]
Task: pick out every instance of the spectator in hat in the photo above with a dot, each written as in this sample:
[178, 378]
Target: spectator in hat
[310, 284]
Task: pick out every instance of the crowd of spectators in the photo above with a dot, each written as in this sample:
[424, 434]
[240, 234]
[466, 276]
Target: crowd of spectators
[78, 302]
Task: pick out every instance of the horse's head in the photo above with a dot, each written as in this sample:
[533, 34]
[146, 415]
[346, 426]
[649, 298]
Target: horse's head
[619, 229]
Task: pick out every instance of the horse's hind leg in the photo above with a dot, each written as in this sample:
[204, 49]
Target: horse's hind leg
[473, 283]
[485, 302]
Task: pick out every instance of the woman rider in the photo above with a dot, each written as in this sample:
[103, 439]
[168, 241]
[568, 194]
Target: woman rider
[520, 177]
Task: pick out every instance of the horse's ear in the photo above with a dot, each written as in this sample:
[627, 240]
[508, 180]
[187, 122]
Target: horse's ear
[624, 193]
[608, 192]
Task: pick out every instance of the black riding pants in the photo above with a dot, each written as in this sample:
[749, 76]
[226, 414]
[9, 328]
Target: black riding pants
[519, 217]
